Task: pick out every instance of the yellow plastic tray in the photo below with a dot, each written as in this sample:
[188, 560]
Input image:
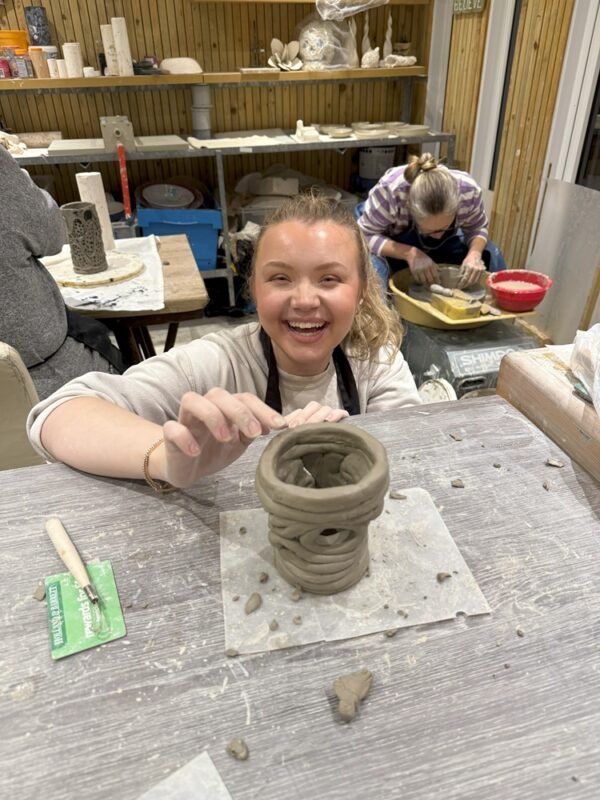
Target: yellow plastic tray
[421, 313]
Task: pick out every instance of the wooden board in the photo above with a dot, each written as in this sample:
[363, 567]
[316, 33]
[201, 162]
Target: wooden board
[540, 385]
[121, 267]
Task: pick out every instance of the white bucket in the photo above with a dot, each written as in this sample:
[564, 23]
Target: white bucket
[374, 161]
[201, 96]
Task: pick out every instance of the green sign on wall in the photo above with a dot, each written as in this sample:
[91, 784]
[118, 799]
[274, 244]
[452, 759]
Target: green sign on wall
[468, 6]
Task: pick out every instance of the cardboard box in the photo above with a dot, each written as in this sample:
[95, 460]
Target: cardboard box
[540, 385]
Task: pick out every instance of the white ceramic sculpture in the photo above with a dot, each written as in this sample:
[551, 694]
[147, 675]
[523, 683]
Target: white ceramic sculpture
[366, 42]
[370, 59]
[398, 61]
[285, 56]
[387, 45]
[353, 59]
[318, 45]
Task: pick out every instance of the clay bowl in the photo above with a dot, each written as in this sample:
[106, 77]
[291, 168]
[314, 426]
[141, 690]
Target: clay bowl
[518, 289]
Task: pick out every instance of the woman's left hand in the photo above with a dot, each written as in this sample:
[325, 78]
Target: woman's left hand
[471, 270]
[314, 412]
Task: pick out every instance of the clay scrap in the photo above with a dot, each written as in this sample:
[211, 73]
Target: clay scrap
[253, 602]
[350, 690]
[238, 749]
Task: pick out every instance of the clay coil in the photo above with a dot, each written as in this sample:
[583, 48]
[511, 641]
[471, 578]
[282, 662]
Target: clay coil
[321, 486]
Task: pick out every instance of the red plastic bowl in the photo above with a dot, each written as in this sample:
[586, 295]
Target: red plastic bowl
[522, 299]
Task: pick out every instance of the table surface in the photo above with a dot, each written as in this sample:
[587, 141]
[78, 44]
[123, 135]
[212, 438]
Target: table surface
[460, 709]
[185, 290]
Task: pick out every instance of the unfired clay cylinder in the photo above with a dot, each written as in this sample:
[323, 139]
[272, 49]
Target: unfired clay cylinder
[121, 40]
[110, 52]
[91, 190]
[53, 67]
[40, 64]
[73, 59]
[61, 65]
[321, 486]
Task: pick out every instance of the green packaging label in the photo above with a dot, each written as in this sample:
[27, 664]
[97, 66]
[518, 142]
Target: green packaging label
[74, 623]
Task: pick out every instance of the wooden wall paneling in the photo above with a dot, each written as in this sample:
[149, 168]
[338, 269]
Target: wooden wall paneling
[508, 197]
[532, 96]
[464, 73]
[538, 120]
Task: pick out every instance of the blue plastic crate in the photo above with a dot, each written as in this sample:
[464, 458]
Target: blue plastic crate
[201, 226]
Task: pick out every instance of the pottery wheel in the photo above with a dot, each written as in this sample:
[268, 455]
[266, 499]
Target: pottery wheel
[121, 267]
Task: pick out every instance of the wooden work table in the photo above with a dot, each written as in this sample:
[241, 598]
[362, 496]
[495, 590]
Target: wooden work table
[185, 298]
[466, 708]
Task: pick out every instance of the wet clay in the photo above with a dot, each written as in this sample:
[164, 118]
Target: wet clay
[238, 749]
[350, 690]
[321, 486]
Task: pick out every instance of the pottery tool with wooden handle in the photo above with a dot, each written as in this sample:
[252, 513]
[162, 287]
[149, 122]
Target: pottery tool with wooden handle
[70, 557]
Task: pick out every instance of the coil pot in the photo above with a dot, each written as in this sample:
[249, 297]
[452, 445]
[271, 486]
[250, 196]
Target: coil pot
[321, 486]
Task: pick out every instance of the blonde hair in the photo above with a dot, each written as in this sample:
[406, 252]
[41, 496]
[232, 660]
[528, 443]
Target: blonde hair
[433, 188]
[375, 325]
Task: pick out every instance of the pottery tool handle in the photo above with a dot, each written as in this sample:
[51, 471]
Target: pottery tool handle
[70, 557]
[124, 181]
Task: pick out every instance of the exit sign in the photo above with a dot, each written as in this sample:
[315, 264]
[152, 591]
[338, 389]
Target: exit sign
[469, 6]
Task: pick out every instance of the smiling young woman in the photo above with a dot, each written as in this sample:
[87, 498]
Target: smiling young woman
[325, 346]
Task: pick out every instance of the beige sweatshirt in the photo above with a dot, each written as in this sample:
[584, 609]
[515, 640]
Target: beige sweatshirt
[233, 360]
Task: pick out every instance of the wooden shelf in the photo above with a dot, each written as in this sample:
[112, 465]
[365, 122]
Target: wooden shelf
[98, 84]
[108, 84]
[308, 3]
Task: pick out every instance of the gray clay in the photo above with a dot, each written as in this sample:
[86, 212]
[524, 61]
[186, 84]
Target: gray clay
[263, 577]
[297, 620]
[350, 690]
[497, 466]
[391, 632]
[253, 602]
[457, 483]
[442, 576]
[396, 495]
[238, 749]
[296, 595]
[235, 598]
[321, 485]
[456, 437]
[273, 625]
[553, 462]
[231, 652]
[546, 486]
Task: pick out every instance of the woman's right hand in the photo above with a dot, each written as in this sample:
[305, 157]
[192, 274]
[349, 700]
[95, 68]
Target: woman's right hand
[422, 268]
[211, 432]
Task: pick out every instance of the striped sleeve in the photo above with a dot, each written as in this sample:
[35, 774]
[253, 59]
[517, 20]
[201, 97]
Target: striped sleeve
[471, 215]
[386, 212]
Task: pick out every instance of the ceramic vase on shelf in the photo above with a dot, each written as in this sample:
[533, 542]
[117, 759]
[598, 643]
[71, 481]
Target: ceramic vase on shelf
[37, 25]
[85, 237]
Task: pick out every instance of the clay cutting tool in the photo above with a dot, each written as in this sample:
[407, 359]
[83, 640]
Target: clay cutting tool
[70, 557]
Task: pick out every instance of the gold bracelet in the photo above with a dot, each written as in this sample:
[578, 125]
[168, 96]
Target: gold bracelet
[162, 487]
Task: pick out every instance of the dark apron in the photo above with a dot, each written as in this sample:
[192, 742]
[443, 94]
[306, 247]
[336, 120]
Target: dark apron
[345, 378]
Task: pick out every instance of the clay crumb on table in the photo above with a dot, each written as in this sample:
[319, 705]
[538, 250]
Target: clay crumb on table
[253, 602]
[238, 749]
[442, 576]
[457, 483]
[350, 690]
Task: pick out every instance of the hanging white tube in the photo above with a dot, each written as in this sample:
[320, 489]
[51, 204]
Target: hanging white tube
[91, 190]
[121, 39]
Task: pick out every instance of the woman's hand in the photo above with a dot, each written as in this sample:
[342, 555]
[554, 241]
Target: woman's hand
[471, 270]
[422, 268]
[314, 412]
[212, 431]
